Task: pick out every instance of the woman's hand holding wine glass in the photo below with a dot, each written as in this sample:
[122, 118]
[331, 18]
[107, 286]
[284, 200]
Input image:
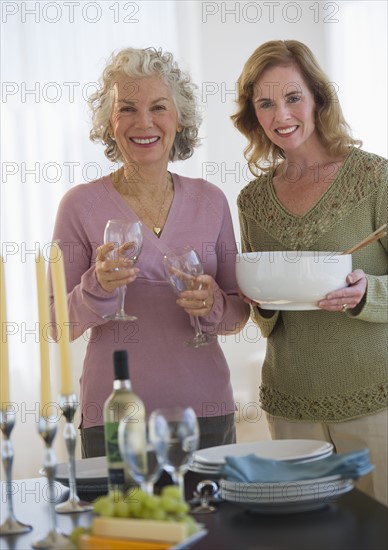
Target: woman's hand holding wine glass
[184, 269]
[123, 243]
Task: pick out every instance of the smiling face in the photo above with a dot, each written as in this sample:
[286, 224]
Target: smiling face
[285, 108]
[144, 120]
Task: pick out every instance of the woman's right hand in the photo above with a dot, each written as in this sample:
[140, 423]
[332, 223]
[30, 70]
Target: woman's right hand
[113, 273]
[247, 300]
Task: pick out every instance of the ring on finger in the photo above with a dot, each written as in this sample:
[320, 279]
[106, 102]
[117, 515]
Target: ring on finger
[344, 308]
[204, 304]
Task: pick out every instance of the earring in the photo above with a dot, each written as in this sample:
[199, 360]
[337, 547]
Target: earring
[179, 129]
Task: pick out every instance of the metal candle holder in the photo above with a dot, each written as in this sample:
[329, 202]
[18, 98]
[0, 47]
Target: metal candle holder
[68, 404]
[11, 526]
[47, 429]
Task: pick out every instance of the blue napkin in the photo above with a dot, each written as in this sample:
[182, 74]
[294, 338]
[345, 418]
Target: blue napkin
[252, 469]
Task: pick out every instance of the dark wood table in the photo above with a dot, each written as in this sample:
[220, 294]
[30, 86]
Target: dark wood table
[354, 522]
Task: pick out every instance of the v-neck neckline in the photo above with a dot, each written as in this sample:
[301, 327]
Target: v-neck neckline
[321, 199]
[126, 208]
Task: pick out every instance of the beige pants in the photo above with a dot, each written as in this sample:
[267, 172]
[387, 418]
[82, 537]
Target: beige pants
[368, 431]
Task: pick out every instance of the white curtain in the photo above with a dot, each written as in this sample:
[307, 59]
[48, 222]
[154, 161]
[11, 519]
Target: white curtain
[54, 53]
[51, 56]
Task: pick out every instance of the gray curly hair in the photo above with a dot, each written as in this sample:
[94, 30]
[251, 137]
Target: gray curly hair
[139, 63]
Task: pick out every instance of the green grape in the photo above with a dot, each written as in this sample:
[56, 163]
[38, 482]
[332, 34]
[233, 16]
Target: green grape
[104, 506]
[135, 494]
[76, 534]
[169, 504]
[159, 514]
[108, 510]
[172, 491]
[182, 507]
[98, 504]
[135, 508]
[151, 502]
[121, 509]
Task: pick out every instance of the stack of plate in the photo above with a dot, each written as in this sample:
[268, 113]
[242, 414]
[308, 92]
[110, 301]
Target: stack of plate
[91, 474]
[210, 461]
[285, 497]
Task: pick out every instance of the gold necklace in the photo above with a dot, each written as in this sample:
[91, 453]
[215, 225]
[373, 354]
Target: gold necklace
[156, 227]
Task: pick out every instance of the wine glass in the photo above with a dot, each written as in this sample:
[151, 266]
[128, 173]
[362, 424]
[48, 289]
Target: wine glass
[128, 240]
[174, 433]
[183, 266]
[143, 463]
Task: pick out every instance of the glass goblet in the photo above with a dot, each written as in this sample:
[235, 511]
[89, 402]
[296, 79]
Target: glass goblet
[139, 454]
[128, 240]
[174, 433]
[183, 266]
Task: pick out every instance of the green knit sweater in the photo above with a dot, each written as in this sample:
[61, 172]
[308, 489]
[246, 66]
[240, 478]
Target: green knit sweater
[319, 365]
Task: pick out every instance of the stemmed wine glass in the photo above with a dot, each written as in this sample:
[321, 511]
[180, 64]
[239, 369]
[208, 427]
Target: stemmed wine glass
[183, 266]
[128, 240]
[140, 457]
[174, 433]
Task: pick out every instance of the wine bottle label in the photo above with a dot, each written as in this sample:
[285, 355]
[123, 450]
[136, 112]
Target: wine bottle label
[118, 475]
[111, 442]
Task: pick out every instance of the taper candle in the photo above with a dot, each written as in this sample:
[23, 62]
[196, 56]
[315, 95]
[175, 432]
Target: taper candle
[61, 317]
[4, 378]
[44, 322]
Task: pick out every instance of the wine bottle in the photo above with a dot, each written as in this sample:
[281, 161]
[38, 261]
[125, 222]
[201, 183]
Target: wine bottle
[121, 403]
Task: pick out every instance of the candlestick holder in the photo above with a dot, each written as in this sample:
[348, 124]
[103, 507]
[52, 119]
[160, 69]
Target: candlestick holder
[68, 404]
[11, 526]
[47, 429]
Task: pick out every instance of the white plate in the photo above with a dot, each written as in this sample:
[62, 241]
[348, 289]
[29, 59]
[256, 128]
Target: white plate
[277, 449]
[284, 491]
[237, 485]
[198, 469]
[86, 469]
[291, 503]
[90, 473]
[215, 469]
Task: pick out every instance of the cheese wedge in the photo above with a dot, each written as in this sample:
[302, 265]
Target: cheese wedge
[91, 542]
[142, 529]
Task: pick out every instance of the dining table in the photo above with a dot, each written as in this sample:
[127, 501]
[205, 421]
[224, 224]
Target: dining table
[353, 521]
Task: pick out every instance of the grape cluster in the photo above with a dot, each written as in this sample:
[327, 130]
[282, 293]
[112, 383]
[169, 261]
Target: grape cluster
[168, 506]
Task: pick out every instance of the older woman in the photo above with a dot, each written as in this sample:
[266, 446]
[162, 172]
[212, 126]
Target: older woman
[325, 371]
[145, 113]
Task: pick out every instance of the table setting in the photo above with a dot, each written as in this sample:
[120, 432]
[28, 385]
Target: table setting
[260, 494]
[212, 460]
[352, 520]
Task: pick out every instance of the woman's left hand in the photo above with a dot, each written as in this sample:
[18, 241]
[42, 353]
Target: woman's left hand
[198, 303]
[348, 297]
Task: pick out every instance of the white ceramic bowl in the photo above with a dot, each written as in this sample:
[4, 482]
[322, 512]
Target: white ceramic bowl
[291, 280]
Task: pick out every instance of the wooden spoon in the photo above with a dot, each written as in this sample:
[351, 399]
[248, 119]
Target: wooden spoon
[378, 234]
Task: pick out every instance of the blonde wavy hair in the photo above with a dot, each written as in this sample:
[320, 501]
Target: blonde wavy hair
[333, 130]
[139, 63]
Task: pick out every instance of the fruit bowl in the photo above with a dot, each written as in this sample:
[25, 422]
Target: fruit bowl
[291, 280]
